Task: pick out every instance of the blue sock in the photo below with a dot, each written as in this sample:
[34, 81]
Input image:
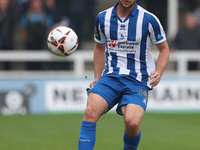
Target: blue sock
[87, 136]
[131, 143]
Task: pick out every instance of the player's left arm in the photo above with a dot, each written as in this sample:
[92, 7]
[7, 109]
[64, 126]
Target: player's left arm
[162, 62]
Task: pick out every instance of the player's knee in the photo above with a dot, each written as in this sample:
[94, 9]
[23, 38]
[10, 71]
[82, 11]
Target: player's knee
[89, 113]
[132, 124]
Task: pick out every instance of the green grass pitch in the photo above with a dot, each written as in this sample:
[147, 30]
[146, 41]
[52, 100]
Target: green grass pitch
[60, 132]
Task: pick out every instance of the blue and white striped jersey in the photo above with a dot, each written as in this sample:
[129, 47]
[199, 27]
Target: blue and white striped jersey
[128, 41]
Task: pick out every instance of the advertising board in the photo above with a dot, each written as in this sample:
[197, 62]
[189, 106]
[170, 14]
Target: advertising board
[38, 95]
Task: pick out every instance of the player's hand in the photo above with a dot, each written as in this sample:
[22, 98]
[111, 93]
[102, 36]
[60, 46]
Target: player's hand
[93, 82]
[155, 77]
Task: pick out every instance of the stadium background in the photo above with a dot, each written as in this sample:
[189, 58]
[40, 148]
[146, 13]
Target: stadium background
[42, 108]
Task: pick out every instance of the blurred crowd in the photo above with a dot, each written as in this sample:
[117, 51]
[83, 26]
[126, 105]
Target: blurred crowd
[35, 18]
[188, 35]
[25, 24]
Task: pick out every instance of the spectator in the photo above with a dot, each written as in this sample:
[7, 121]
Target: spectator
[35, 25]
[6, 29]
[6, 25]
[188, 37]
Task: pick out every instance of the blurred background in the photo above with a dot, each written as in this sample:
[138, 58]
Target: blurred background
[34, 81]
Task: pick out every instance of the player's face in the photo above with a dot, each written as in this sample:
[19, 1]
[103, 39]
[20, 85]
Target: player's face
[127, 3]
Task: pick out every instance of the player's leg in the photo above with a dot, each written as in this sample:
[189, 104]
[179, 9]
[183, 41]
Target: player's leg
[96, 106]
[133, 115]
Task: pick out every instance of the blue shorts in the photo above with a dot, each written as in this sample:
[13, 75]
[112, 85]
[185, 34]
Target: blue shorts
[121, 90]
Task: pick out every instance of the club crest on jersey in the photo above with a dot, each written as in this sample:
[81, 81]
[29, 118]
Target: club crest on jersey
[123, 34]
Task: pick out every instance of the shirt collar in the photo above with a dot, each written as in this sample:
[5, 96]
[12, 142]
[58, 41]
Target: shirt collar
[133, 12]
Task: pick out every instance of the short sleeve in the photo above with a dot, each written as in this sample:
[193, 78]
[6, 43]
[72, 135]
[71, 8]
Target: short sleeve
[99, 36]
[156, 31]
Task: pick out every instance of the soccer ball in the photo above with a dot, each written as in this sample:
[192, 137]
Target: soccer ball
[62, 41]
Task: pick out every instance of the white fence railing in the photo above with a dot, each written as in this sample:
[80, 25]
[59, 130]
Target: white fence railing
[79, 59]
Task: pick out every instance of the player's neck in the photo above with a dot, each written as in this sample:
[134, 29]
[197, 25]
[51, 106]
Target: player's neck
[123, 12]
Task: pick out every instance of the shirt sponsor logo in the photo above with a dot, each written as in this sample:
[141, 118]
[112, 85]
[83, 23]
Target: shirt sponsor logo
[122, 46]
[112, 43]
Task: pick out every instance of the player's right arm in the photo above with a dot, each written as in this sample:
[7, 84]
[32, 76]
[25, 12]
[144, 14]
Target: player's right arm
[99, 62]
